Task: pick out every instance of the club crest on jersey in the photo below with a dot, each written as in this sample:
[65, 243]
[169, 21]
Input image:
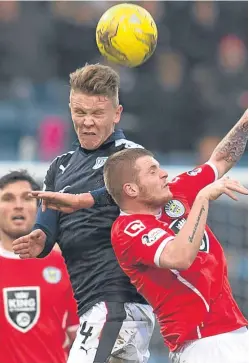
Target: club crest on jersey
[52, 275]
[194, 172]
[22, 306]
[174, 208]
[134, 228]
[100, 161]
[177, 225]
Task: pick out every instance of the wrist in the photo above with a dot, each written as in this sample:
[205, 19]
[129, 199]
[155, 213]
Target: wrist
[84, 200]
[203, 196]
[101, 197]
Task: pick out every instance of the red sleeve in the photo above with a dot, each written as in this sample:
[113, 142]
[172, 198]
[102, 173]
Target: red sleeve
[140, 240]
[72, 322]
[191, 182]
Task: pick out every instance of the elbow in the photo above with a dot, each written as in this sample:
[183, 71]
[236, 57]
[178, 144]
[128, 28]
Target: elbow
[176, 264]
[184, 265]
[221, 165]
[176, 258]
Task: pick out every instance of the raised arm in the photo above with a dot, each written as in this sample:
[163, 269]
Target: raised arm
[232, 147]
[181, 252]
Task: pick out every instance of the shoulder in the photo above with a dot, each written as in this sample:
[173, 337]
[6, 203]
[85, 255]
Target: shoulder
[62, 159]
[55, 257]
[132, 225]
[59, 163]
[125, 230]
[191, 176]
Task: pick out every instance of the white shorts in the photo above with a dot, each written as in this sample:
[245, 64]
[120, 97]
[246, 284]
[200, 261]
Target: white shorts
[114, 332]
[230, 347]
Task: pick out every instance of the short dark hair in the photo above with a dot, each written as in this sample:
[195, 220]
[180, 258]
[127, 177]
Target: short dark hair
[96, 79]
[18, 175]
[120, 169]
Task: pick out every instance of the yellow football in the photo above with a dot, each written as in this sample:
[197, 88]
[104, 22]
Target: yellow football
[126, 34]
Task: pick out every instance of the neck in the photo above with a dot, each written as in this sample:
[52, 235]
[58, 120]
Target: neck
[140, 209]
[6, 242]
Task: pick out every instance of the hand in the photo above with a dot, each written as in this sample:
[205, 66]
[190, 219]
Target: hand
[31, 245]
[224, 185]
[62, 202]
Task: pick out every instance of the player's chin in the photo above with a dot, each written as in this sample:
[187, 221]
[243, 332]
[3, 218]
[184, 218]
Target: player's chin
[91, 144]
[19, 232]
[168, 195]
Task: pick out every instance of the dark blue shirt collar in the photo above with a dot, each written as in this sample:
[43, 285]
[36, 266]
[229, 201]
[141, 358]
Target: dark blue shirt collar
[116, 135]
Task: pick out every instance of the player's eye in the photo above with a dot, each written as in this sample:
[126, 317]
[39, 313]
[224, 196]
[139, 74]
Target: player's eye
[79, 112]
[7, 198]
[28, 198]
[98, 113]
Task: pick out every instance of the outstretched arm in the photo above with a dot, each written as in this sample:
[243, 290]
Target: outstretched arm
[69, 203]
[231, 148]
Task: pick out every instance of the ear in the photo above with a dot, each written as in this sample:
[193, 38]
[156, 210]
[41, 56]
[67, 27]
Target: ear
[131, 190]
[69, 105]
[118, 114]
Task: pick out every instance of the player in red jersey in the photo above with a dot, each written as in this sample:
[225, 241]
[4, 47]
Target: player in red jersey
[38, 318]
[163, 244]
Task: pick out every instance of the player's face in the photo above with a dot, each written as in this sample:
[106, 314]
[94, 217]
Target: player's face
[17, 209]
[94, 118]
[152, 182]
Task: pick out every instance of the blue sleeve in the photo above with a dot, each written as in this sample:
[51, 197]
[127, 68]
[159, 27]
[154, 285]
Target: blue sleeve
[102, 197]
[48, 222]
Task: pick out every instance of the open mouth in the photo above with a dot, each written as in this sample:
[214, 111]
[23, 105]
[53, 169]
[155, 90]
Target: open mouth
[18, 218]
[89, 133]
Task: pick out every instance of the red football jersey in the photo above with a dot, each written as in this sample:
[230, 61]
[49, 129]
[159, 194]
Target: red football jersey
[36, 309]
[189, 304]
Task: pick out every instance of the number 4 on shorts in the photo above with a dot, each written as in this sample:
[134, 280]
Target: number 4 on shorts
[85, 333]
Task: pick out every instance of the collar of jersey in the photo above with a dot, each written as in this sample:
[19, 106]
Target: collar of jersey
[8, 254]
[116, 135]
[157, 216]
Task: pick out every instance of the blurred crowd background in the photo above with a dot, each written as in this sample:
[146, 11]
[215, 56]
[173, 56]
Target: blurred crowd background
[178, 104]
[182, 100]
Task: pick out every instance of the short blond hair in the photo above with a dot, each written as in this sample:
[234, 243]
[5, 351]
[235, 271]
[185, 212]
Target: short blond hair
[120, 169]
[96, 79]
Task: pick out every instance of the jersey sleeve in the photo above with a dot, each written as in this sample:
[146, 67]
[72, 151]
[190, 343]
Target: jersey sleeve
[48, 221]
[72, 322]
[141, 241]
[191, 182]
[102, 197]
[48, 184]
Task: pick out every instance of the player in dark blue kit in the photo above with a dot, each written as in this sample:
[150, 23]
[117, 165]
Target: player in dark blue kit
[116, 323]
